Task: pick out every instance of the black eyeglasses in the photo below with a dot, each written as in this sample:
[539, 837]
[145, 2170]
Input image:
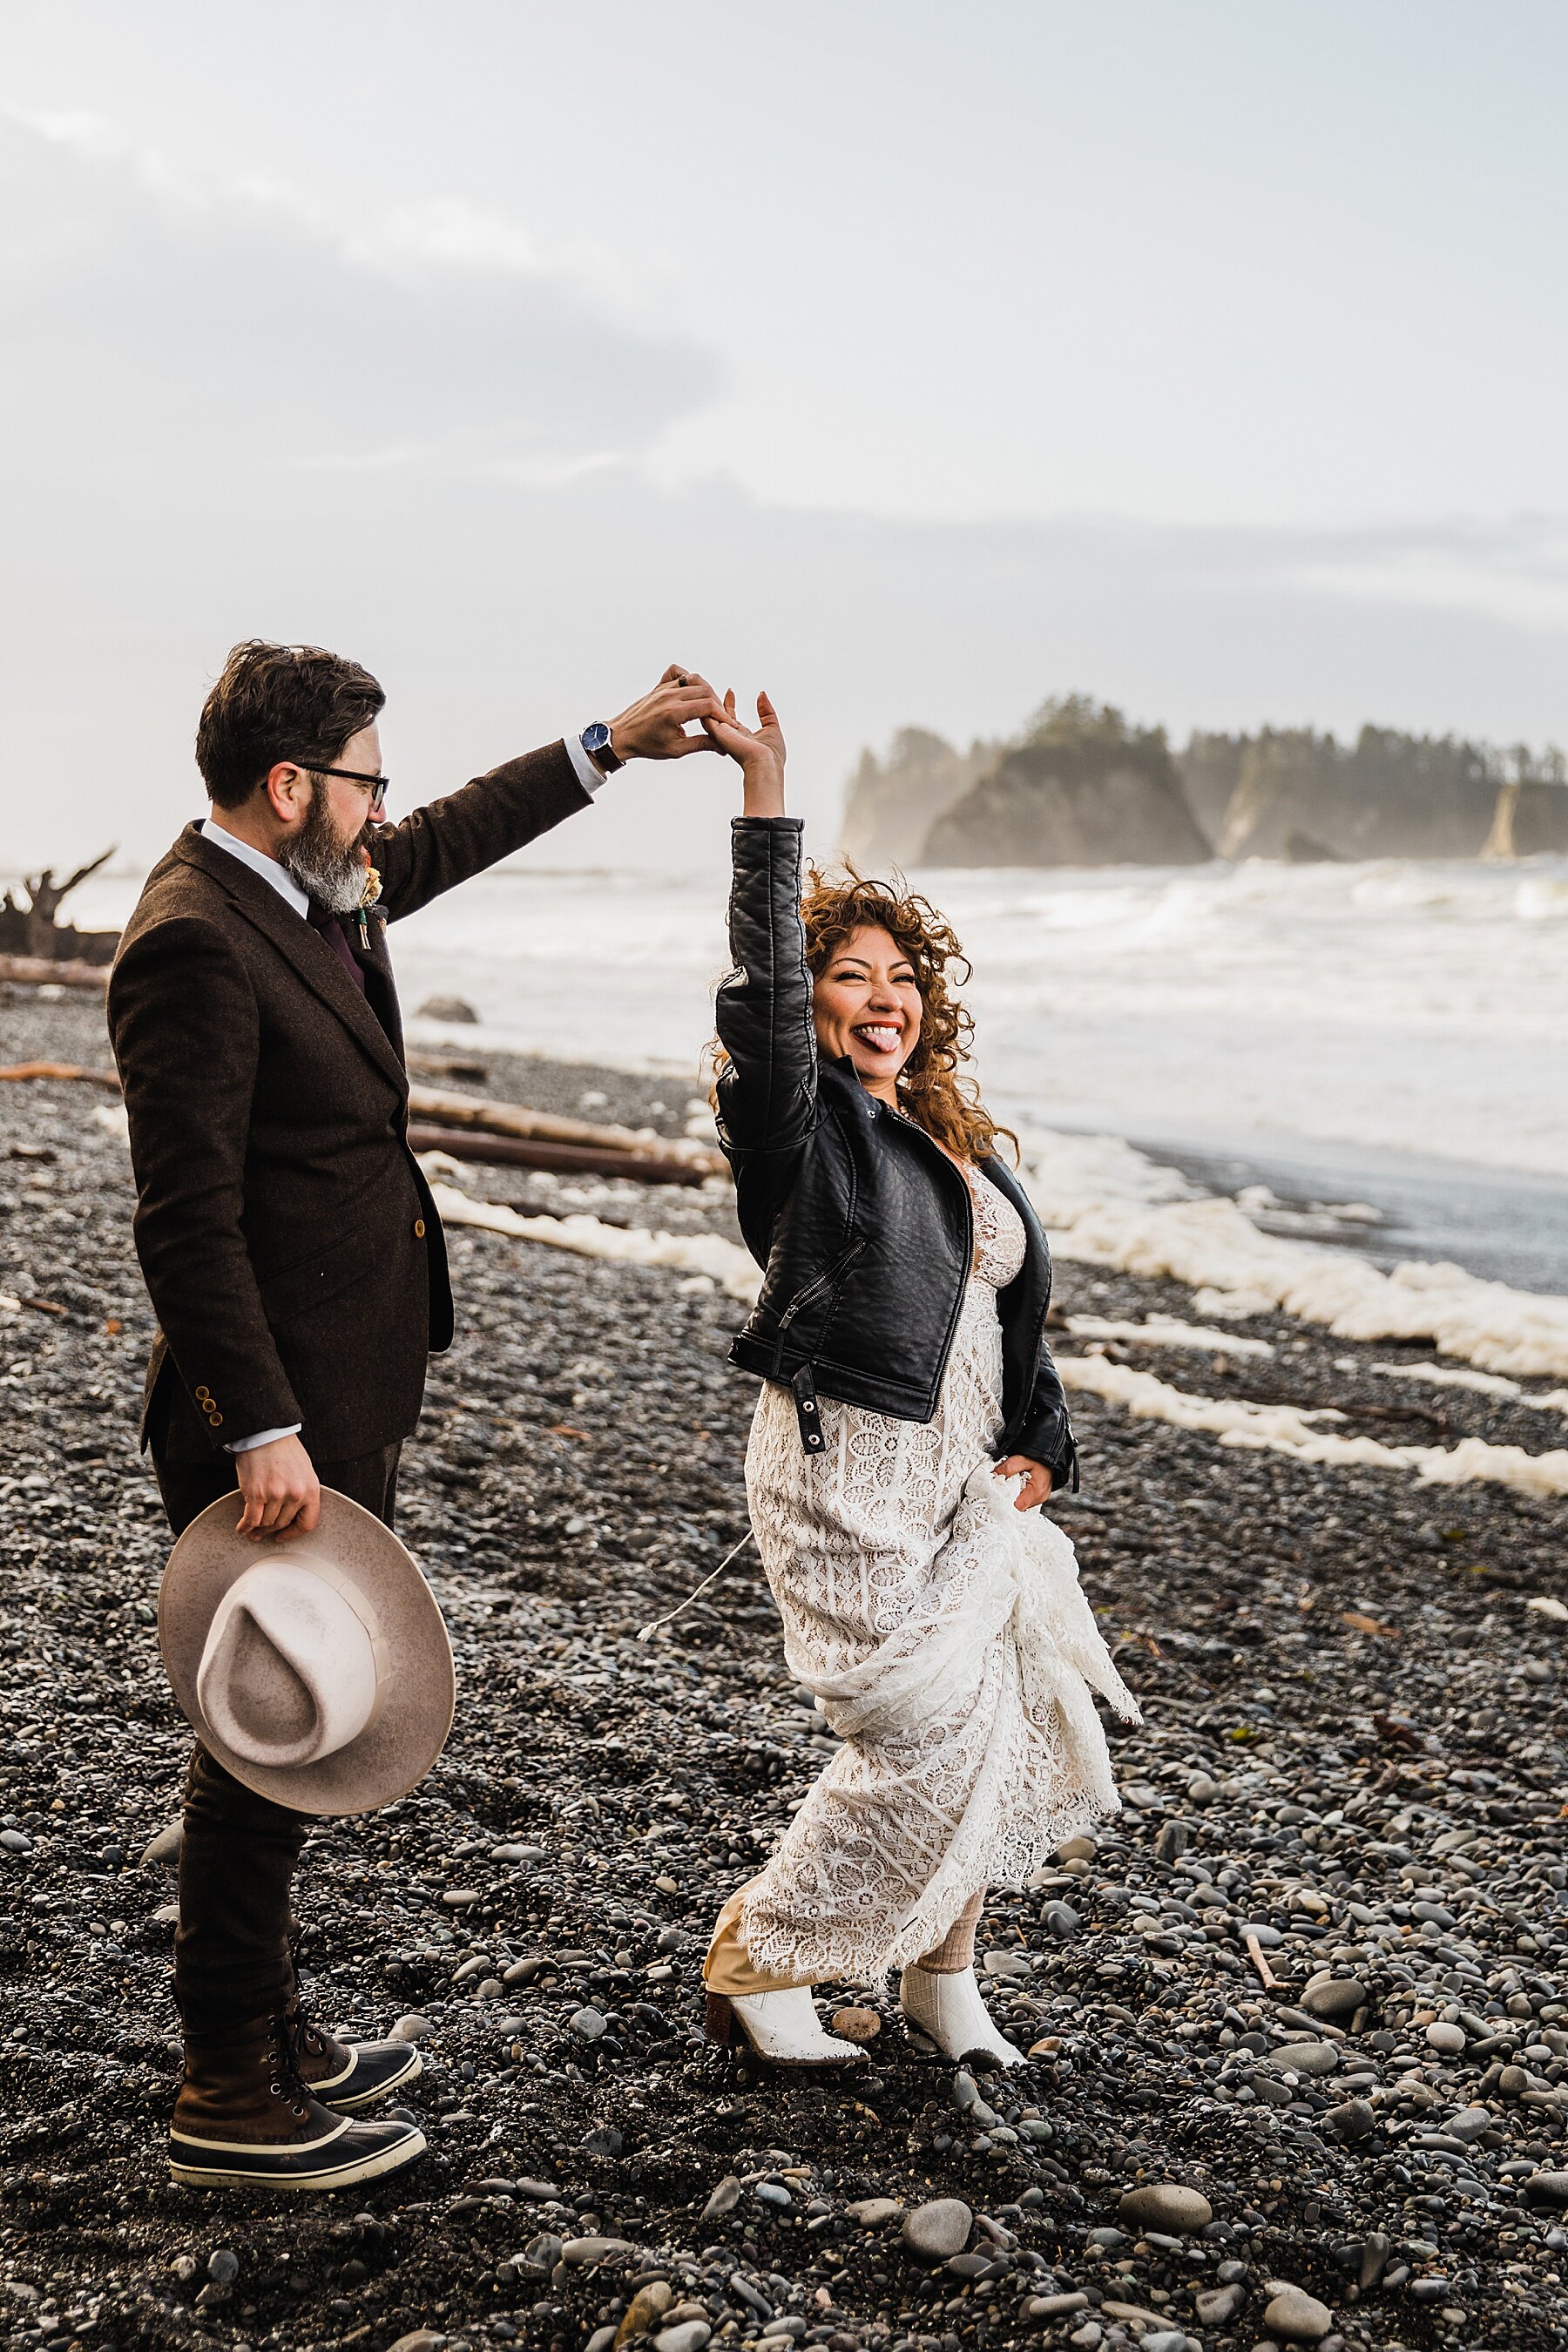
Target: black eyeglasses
[378, 784]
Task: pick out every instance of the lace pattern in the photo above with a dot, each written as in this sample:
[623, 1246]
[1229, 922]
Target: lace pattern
[949, 1645]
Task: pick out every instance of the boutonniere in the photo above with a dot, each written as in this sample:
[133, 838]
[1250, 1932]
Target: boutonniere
[372, 890]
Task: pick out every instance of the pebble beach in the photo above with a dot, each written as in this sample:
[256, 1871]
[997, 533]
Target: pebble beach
[1297, 2017]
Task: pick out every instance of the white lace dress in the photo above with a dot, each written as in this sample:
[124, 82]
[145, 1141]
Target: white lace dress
[949, 1645]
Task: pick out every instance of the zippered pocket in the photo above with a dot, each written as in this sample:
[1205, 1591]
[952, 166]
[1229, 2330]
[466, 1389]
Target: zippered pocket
[832, 1275]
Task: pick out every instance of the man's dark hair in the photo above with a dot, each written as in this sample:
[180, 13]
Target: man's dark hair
[278, 702]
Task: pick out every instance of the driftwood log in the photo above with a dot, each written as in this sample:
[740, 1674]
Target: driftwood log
[474, 1111]
[110, 1078]
[507, 1135]
[562, 1159]
[70, 971]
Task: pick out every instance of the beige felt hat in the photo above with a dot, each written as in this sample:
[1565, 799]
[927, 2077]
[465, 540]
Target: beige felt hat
[317, 1671]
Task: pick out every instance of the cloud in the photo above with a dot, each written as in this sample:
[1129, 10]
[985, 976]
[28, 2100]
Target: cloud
[156, 321]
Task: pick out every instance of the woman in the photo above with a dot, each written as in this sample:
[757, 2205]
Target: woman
[911, 1422]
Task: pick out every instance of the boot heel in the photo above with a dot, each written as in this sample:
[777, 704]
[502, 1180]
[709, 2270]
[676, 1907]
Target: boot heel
[719, 2022]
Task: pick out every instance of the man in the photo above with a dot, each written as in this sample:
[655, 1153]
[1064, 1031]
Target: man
[295, 1260]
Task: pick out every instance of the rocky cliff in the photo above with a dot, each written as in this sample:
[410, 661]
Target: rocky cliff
[1387, 796]
[1082, 788]
[892, 803]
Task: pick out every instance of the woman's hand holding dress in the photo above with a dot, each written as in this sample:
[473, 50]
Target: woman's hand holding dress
[1037, 1480]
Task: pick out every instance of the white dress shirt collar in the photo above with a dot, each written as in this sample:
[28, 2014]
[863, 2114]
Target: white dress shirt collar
[259, 863]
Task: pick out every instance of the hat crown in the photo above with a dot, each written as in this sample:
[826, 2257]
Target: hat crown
[293, 1669]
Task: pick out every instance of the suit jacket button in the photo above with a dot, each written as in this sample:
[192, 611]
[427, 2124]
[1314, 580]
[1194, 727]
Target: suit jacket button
[215, 1418]
[418, 1229]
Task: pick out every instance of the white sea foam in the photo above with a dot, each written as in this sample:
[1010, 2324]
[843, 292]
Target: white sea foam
[1165, 1331]
[1293, 1430]
[707, 1256]
[1236, 1271]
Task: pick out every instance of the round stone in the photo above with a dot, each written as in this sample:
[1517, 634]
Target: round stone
[939, 2229]
[1449, 2039]
[1165, 2205]
[588, 2023]
[1297, 2316]
[412, 2028]
[1305, 2058]
[856, 2024]
[869, 2211]
[1335, 1997]
[690, 2336]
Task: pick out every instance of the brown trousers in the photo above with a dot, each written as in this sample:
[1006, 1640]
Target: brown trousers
[232, 1961]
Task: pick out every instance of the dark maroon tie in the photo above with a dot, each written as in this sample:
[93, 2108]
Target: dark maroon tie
[322, 920]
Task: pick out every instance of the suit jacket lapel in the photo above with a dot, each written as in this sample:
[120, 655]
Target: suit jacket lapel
[307, 953]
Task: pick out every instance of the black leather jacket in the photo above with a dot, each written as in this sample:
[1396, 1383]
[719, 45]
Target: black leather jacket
[862, 1225]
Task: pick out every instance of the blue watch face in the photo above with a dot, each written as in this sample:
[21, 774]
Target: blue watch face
[596, 737]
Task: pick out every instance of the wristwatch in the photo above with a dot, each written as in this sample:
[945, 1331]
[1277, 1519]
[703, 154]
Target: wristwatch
[595, 740]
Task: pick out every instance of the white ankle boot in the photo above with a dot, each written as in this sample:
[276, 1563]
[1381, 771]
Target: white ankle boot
[949, 2010]
[780, 2027]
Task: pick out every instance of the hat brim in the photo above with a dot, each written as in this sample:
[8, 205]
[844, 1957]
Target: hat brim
[397, 1751]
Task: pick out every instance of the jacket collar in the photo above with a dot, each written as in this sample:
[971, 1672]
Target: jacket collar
[302, 947]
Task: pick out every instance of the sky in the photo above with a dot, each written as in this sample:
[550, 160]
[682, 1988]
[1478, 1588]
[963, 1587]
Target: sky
[914, 363]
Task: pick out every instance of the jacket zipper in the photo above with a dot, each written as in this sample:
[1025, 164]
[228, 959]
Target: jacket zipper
[804, 1384]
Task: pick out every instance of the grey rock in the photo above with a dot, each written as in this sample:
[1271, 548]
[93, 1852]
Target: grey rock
[1469, 2123]
[1087, 2337]
[578, 2254]
[938, 2229]
[1355, 2119]
[1062, 1919]
[1374, 2253]
[690, 2336]
[18, 1842]
[518, 1854]
[461, 1898]
[1337, 1997]
[165, 1846]
[412, 2028]
[1165, 2205]
[1054, 2306]
[419, 2340]
[602, 2339]
[538, 2192]
[167, 1914]
[723, 2200]
[773, 2194]
[1304, 2058]
[1295, 2314]
[1216, 2306]
[524, 1971]
[869, 2211]
[541, 2253]
[449, 1009]
[966, 2098]
[1163, 2340]
[588, 2023]
[605, 2141]
[1547, 2188]
[1449, 2039]
[223, 2264]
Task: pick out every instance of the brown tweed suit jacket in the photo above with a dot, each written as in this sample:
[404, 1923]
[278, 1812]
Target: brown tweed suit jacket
[288, 1240]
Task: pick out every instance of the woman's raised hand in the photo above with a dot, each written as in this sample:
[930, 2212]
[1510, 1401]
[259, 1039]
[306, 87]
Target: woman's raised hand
[760, 750]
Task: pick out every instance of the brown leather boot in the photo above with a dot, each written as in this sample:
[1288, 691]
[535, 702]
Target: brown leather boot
[245, 2119]
[349, 2075]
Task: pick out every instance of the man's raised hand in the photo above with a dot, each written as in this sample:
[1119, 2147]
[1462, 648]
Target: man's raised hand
[281, 1492]
[654, 726]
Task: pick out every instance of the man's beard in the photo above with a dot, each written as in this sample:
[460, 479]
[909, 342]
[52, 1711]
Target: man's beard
[326, 868]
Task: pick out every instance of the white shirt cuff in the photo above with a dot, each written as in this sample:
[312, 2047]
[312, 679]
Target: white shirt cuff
[588, 775]
[263, 1437]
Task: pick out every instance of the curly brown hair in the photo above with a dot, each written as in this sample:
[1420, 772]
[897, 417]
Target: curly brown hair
[841, 901]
